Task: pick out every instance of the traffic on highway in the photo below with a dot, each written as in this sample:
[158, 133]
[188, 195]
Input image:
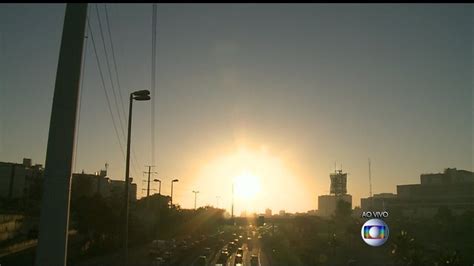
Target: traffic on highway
[239, 246]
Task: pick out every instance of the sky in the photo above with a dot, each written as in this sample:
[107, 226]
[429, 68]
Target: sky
[266, 96]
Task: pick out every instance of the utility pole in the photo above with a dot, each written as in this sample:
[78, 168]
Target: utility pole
[54, 219]
[149, 173]
[195, 197]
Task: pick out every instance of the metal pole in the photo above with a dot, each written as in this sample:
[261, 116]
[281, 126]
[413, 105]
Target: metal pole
[127, 180]
[54, 219]
[159, 188]
[148, 187]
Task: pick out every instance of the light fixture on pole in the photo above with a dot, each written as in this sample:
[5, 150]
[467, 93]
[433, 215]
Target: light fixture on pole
[159, 188]
[141, 95]
[172, 181]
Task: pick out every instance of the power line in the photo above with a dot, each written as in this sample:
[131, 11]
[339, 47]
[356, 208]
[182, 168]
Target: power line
[121, 119]
[134, 159]
[113, 58]
[104, 87]
[109, 71]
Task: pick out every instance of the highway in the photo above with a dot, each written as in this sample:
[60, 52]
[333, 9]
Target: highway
[188, 251]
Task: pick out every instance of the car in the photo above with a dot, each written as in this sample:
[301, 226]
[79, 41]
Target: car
[238, 260]
[254, 260]
[201, 261]
[240, 251]
[225, 253]
[207, 251]
[231, 246]
[222, 260]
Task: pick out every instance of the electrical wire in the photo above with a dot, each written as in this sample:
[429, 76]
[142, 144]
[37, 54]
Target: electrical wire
[122, 107]
[104, 87]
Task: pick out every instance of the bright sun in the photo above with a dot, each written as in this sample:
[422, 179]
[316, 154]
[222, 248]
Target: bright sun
[246, 185]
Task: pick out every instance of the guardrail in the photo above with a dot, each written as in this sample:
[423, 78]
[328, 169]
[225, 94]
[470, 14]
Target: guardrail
[18, 247]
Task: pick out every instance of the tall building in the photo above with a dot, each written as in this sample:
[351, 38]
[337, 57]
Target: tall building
[338, 183]
[338, 191]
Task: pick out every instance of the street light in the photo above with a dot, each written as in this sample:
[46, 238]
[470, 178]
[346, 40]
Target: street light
[142, 95]
[195, 197]
[172, 181]
[159, 188]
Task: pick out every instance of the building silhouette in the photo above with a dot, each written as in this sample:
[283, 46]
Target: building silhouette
[268, 212]
[17, 178]
[453, 189]
[87, 185]
[338, 191]
[378, 202]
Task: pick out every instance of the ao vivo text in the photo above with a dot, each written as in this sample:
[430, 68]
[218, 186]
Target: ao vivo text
[374, 214]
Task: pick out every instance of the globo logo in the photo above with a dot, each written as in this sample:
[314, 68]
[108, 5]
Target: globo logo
[374, 232]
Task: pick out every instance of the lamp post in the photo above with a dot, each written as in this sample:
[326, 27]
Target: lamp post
[159, 188]
[172, 181]
[195, 197]
[142, 95]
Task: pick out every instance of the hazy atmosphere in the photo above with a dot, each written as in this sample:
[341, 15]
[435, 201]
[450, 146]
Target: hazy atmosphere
[267, 96]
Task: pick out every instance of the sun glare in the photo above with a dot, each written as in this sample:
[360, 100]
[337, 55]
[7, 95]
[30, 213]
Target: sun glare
[260, 177]
[246, 186]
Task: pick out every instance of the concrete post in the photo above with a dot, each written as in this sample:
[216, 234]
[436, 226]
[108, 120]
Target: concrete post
[54, 219]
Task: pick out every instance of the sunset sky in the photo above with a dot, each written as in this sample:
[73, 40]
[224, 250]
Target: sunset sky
[266, 95]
